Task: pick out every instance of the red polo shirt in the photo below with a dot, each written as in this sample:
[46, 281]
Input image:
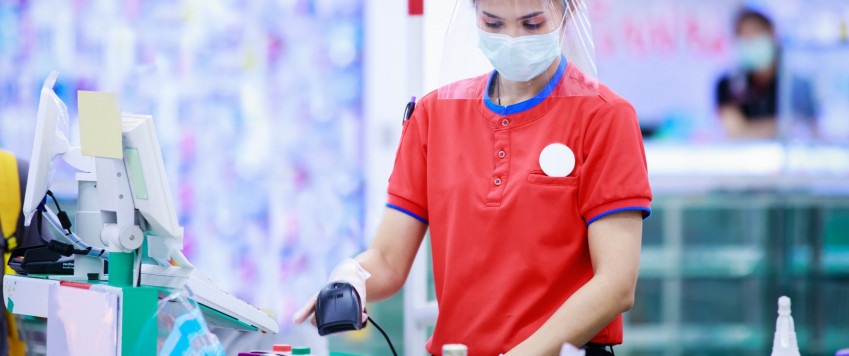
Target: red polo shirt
[509, 243]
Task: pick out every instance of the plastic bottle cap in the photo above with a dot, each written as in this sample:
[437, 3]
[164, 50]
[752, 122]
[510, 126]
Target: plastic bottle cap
[784, 306]
[454, 350]
[281, 348]
[301, 351]
[557, 160]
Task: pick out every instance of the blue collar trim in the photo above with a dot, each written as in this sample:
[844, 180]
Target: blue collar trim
[527, 104]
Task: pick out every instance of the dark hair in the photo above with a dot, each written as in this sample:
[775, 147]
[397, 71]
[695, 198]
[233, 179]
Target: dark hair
[748, 14]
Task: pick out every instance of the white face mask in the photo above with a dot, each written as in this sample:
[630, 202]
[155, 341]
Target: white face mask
[520, 59]
[756, 53]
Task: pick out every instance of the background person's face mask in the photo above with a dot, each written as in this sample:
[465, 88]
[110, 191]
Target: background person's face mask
[756, 53]
[520, 59]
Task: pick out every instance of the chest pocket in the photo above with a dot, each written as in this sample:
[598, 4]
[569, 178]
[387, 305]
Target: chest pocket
[555, 200]
[540, 178]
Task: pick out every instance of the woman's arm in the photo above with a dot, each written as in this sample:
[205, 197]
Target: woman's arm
[737, 127]
[615, 251]
[391, 254]
[388, 260]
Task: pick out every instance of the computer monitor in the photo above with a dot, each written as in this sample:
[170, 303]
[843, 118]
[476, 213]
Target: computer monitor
[51, 139]
[152, 200]
[148, 181]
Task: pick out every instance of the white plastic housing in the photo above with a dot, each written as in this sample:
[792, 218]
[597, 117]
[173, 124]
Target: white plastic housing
[51, 139]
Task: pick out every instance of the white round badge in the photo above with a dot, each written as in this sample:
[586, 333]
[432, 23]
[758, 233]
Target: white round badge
[557, 160]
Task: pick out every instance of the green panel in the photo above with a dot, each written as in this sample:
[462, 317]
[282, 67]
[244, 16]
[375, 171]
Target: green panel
[120, 269]
[138, 308]
[389, 314]
[653, 228]
[836, 228]
[708, 226]
[216, 318]
[134, 169]
[717, 301]
[648, 305]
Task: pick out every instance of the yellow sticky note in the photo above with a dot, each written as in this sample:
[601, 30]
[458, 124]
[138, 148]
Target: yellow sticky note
[100, 124]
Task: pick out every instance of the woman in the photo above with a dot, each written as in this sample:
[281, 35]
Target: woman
[533, 182]
[748, 98]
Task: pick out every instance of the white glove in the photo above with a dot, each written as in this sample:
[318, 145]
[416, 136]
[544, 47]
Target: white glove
[569, 350]
[349, 271]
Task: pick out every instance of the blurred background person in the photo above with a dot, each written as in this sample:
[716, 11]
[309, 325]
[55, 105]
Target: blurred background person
[747, 98]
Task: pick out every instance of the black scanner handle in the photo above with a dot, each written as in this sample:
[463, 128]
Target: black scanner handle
[338, 308]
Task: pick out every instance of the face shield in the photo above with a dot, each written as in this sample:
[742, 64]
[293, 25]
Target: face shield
[532, 46]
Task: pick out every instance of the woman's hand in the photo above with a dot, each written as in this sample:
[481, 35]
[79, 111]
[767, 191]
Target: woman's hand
[349, 271]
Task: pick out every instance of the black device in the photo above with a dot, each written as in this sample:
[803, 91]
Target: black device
[338, 308]
[40, 260]
[408, 110]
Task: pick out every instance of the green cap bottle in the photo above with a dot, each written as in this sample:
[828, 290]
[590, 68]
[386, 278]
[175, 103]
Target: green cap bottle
[301, 351]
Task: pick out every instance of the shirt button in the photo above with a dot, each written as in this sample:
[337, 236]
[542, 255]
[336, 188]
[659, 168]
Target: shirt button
[501, 154]
[496, 181]
[505, 122]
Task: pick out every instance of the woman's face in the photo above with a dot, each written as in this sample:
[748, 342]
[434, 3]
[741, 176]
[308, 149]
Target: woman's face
[517, 18]
[749, 29]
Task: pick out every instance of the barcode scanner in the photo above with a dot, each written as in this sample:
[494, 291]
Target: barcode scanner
[338, 308]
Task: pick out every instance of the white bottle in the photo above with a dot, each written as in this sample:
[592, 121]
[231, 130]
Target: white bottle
[784, 343]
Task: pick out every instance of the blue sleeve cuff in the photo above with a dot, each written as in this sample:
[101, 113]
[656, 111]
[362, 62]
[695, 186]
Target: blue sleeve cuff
[646, 213]
[405, 211]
